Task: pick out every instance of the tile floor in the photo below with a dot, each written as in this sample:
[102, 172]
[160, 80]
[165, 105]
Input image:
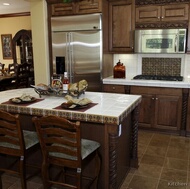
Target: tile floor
[163, 164]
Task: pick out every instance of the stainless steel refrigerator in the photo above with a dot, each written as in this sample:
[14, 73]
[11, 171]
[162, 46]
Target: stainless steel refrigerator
[77, 48]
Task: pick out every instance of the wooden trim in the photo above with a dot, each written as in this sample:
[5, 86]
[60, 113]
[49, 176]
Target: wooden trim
[152, 2]
[15, 14]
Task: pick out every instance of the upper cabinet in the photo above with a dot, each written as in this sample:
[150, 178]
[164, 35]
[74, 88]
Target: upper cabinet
[58, 8]
[121, 25]
[165, 13]
[22, 47]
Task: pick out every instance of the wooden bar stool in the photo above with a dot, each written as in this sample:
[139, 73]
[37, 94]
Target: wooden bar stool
[15, 144]
[63, 147]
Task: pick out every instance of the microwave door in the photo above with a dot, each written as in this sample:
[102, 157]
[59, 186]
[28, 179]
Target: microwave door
[159, 43]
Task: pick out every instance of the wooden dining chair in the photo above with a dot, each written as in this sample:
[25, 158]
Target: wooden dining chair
[62, 146]
[15, 146]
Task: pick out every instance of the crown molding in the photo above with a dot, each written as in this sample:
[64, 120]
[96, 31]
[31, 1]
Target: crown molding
[15, 14]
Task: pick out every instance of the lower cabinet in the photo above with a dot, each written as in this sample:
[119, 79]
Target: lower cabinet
[160, 107]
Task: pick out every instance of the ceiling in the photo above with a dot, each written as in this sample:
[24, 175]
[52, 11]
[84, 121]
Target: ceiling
[16, 6]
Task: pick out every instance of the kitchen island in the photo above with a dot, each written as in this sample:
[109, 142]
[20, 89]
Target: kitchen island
[112, 121]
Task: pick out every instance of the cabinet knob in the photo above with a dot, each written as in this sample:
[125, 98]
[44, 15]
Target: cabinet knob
[162, 17]
[158, 17]
[156, 98]
[152, 98]
[113, 88]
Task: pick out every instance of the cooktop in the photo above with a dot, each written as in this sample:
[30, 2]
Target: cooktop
[159, 77]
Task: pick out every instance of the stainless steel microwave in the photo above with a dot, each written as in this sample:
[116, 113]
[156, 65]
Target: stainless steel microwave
[160, 41]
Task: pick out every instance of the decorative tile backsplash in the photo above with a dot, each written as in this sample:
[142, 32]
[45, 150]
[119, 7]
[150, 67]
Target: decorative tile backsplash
[161, 66]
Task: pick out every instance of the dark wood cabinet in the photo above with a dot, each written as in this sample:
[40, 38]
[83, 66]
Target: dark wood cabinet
[121, 26]
[58, 8]
[165, 13]
[161, 108]
[22, 47]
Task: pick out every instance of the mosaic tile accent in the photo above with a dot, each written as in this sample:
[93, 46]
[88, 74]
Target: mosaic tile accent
[161, 66]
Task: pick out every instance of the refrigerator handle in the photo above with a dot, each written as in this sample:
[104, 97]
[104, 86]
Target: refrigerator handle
[71, 63]
[67, 52]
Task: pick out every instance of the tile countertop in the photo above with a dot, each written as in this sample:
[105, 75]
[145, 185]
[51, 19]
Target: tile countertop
[149, 83]
[111, 108]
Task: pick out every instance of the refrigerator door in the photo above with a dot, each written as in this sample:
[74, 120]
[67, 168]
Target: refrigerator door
[85, 58]
[79, 51]
[59, 50]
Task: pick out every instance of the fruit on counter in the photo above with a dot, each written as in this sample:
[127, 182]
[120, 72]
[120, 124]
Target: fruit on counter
[81, 102]
[24, 98]
[76, 88]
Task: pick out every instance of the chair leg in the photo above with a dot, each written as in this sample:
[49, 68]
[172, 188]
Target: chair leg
[23, 172]
[79, 179]
[97, 169]
[1, 186]
[45, 175]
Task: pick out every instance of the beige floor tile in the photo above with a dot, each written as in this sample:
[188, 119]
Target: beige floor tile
[160, 140]
[144, 138]
[141, 150]
[181, 143]
[148, 170]
[173, 163]
[173, 175]
[156, 151]
[167, 185]
[178, 153]
[140, 182]
[152, 160]
[127, 181]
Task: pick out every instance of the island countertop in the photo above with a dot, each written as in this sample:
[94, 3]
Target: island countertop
[110, 108]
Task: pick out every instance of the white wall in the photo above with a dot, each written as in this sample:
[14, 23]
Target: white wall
[133, 62]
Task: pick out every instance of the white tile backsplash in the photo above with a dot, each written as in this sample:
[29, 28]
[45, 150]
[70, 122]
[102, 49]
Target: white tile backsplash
[133, 62]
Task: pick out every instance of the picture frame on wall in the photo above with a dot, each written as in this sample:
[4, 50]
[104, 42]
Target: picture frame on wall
[6, 41]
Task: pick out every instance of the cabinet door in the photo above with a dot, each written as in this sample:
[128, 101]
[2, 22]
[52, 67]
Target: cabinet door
[168, 112]
[81, 7]
[147, 109]
[62, 9]
[175, 12]
[148, 14]
[121, 26]
[165, 13]
[88, 6]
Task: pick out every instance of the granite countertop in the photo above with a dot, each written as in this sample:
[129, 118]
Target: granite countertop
[110, 108]
[149, 83]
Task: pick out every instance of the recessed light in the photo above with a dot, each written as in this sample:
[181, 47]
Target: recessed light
[6, 4]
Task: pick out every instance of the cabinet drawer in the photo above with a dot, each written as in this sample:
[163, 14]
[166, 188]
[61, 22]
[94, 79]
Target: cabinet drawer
[114, 88]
